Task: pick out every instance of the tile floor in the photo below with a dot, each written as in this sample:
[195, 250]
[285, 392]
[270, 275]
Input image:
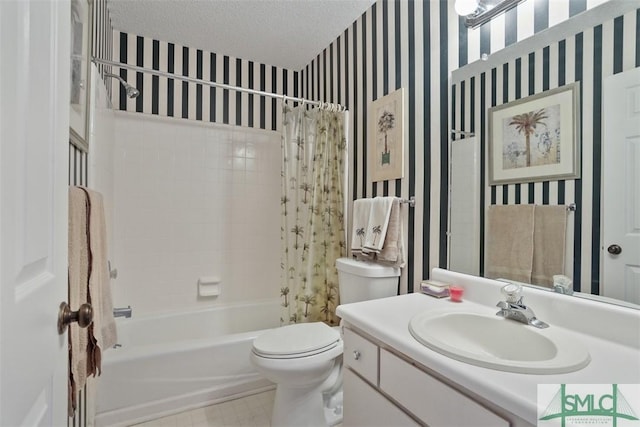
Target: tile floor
[253, 411]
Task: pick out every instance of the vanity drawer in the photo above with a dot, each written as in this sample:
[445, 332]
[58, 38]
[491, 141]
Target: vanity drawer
[432, 401]
[361, 355]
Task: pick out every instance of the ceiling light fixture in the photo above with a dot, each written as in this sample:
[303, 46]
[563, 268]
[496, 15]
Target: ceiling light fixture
[466, 7]
[478, 12]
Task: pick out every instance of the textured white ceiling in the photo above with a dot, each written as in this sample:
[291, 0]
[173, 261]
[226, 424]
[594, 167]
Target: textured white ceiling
[284, 33]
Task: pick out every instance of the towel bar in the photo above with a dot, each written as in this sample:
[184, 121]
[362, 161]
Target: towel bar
[411, 201]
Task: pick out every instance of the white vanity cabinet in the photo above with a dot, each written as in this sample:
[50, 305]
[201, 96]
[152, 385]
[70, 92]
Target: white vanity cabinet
[381, 388]
[364, 405]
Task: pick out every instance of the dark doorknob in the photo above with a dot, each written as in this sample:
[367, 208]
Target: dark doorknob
[84, 316]
[614, 249]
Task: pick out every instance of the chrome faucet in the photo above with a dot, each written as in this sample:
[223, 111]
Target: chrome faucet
[122, 312]
[514, 309]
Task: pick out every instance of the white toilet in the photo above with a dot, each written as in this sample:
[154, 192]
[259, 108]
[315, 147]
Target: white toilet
[304, 359]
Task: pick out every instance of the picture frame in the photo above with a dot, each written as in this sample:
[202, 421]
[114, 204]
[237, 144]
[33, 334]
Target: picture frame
[79, 87]
[536, 138]
[386, 144]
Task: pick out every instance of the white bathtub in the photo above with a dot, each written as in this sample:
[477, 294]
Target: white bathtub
[173, 362]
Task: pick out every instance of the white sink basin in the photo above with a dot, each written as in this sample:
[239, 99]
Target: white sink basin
[497, 343]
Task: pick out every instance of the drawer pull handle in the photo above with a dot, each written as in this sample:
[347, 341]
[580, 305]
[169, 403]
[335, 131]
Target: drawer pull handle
[356, 354]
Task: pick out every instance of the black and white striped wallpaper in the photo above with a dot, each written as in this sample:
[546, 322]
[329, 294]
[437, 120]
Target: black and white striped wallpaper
[587, 57]
[528, 18]
[174, 98]
[396, 44]
[102, 41]
[101, 48]
[78, 173]
[416, 45]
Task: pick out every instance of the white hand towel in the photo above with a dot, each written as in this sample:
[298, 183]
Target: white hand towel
[378, 224]
[361, 213]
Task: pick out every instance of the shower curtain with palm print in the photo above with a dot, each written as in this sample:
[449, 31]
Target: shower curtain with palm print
[312, 201]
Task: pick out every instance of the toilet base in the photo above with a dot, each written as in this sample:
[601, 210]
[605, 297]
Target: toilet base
[298, 407]
[333, 413]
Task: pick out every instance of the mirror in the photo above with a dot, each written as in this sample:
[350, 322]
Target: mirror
[575, 50]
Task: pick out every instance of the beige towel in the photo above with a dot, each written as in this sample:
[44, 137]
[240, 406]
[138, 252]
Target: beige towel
[78, 266]
[361, 212]
[392, 252]
[104, 325]
[378, 224]
[549, 243]
[509, 234]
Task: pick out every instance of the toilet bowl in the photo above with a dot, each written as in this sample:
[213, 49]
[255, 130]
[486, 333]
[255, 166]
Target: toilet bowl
[299, 359]
[305, 359]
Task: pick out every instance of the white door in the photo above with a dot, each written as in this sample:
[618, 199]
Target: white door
[621, 188]
[34, 131]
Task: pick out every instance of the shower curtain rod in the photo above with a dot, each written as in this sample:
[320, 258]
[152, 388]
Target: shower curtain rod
[326, 105]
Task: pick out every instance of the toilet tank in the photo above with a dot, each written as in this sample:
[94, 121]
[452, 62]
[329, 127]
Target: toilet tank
[362, 280]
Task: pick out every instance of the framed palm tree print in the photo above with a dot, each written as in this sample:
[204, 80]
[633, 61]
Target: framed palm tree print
[536, 138]
[386, 145]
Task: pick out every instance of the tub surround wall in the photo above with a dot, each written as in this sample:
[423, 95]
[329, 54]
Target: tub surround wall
[192, 200]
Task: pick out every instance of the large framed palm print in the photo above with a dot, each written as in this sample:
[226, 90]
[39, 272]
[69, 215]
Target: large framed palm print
[536, 138]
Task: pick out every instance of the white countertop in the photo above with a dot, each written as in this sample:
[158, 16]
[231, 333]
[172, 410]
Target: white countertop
[387, 320]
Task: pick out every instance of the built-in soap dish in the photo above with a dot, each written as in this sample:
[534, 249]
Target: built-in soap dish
[209, 286]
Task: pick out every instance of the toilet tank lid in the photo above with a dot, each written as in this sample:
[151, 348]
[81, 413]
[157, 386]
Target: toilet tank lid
[365, 268]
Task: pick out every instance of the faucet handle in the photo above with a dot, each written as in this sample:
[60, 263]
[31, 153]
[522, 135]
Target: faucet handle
[512, 292]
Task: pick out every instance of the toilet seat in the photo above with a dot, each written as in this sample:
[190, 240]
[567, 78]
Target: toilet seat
[296, 341]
